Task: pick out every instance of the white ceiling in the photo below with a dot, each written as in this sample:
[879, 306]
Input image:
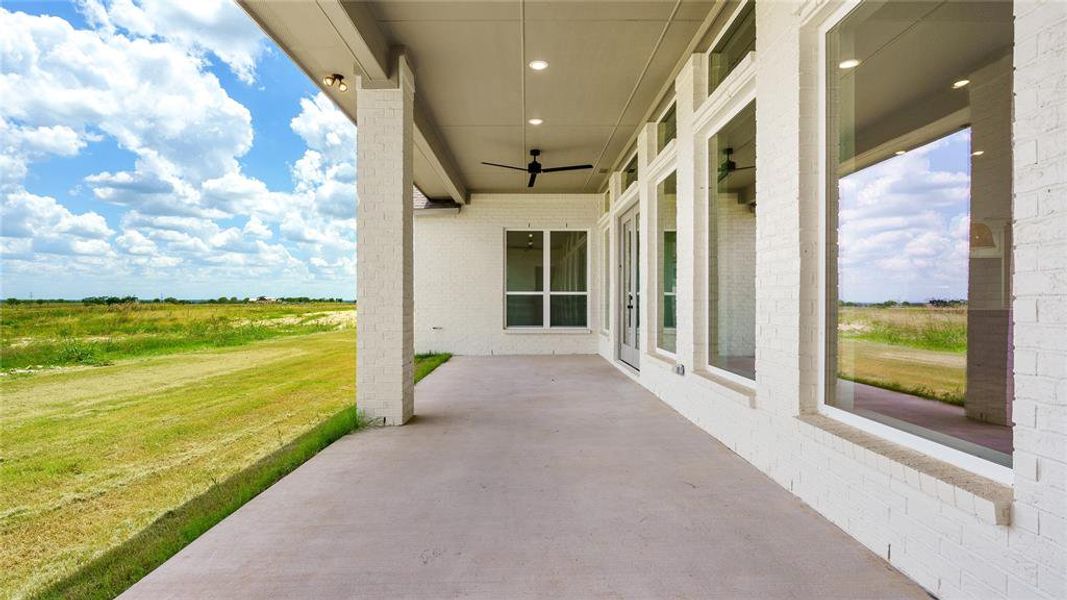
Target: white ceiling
[471, 69]
[608, 60]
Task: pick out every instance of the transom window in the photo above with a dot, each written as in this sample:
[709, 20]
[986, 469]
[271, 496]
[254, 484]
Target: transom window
[629, 174]
[734, 46]
[919, 221]
[540, 297]
[667, 128]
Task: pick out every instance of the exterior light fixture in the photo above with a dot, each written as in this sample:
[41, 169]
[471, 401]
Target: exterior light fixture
[535, 121]
[978, 153]
[335, 79]
[851, 63]
[958, 84]
[899, 152]
[538, 65]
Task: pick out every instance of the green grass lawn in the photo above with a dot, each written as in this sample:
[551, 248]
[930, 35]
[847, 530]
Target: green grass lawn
[108, 470]
[916, 350]
[62, 334]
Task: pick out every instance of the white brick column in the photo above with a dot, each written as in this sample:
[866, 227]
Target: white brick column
[385, 343]
[690, 88]
[989, 384]
[647, 311]
[1039, 286]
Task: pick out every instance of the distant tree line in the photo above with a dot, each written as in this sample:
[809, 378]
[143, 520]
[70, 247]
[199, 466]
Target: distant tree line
[934, 302]
[113, 300]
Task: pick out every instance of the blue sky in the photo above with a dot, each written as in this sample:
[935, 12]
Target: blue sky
[153, 147]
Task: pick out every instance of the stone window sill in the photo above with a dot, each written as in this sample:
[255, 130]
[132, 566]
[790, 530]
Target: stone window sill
[548, 331]
[988, 500]
[744, 393]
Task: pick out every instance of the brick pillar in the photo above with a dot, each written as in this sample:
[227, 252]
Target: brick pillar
[691, 87]
[385, 328]
[989, 381]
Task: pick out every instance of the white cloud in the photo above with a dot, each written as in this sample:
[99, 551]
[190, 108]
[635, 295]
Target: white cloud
[218, 27]
[903, 226]
[187, 211]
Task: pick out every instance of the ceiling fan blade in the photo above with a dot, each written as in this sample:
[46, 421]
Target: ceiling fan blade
[523, 169]
[533, 178]
[744, 168]
[570, 168]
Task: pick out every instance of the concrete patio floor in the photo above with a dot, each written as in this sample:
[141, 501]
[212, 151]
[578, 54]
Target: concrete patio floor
[527, 477]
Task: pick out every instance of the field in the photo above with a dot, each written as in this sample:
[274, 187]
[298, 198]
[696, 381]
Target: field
[190, 410]
[916, 350]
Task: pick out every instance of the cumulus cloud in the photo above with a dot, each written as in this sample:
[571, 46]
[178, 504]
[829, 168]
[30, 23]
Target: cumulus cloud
[218, 27]
[185, 209]
[903, 226]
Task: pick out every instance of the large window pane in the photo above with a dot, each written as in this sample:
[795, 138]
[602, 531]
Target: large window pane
[525, 261]
[567, 310]
[919, 335]
[739, 40]
[568, 256]
[732, 246]
[667, 248]
[526, 310]
[605, 285]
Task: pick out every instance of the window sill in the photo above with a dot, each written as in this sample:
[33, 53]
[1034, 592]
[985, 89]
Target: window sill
[745, 391]
[547, 331]
[988, 500]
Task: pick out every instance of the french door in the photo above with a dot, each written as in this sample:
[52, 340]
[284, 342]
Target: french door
[629, 288]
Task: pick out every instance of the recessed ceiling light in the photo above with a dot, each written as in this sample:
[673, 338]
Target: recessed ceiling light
[899, 152]
[958, 84]
[535, 121]
[978, 153]
[538, 65]
[851, 63]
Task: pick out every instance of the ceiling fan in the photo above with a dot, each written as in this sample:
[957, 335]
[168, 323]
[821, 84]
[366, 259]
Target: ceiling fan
[535, 168]
[729, 166]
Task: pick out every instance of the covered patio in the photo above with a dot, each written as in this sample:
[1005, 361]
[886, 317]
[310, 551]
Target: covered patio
[527, 476]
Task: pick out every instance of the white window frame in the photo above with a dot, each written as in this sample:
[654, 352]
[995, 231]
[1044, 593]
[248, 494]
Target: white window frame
[718, 38]
[975, 464]
[546, 281]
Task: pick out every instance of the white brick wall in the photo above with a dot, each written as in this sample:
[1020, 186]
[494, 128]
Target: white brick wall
[956, 534]
[459, 274]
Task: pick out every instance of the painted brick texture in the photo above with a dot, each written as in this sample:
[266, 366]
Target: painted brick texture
[956, 534]
[459, 268]
[384, 287]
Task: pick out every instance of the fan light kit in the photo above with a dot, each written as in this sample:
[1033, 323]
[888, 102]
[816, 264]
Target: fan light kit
[535, 121]
[335, 79]
[535, 168]
[958, 84]
[538, 65]
[851, 63]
